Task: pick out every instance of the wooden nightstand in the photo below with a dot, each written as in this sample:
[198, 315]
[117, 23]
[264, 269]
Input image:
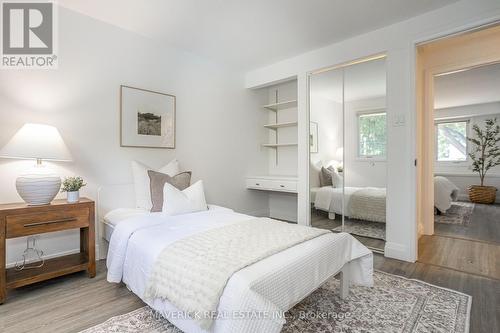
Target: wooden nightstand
[18, 220]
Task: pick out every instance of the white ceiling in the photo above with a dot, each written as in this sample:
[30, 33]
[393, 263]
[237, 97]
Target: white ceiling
[361, 81]
[251, 33]
[474, 86]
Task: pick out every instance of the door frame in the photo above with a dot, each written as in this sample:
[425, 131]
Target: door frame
[466, 50]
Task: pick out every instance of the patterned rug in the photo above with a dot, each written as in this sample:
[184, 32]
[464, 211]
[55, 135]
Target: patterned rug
[394, 304]
[363, 228]
[459, 213]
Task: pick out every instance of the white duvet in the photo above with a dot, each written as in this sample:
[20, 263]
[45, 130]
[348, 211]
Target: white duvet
[263, 289]
[329, 199]
[445, 192]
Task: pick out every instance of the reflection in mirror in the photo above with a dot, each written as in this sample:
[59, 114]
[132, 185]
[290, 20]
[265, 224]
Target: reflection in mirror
[348, 120]
[327, 149]
[466, 103]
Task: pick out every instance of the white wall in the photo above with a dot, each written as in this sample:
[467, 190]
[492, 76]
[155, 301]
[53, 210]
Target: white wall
[398, 42]
[218, 131]
[328, 115]
[461, 173]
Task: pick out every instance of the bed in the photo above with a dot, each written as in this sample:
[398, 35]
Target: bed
[363, 203]
[137, 237]
[445, 192]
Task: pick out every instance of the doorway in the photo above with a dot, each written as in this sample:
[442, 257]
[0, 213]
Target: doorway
[458, 106]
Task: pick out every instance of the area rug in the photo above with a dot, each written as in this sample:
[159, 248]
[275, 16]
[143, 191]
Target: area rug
[394, 304]
[459, 214]
[363, 228]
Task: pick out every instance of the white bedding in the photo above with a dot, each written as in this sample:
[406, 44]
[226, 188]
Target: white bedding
[329, 199]
[445, 192]
[265, 286]
[118, 215]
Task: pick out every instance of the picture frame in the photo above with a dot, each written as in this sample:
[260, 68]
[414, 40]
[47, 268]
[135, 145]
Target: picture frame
[313, 137]
[147, 118]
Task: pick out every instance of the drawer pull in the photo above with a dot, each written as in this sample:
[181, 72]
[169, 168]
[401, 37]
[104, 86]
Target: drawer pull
[282, 185]
[257, 184]
[70, 219]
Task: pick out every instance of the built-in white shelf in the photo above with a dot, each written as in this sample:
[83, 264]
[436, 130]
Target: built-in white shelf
[273, 183]
[281, 105]
[281, 125]
[276, 145]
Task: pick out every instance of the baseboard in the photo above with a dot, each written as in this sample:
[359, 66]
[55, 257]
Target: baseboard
[397, 251]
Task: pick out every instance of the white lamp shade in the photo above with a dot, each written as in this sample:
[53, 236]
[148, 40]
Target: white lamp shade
[36, 141]
[339, 153]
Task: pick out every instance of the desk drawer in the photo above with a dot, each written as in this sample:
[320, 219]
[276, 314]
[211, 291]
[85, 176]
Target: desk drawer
[49, 221]
[284, 185]
[259, 184]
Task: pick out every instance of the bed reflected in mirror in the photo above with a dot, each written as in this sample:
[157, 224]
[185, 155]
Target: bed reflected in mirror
[348, 151]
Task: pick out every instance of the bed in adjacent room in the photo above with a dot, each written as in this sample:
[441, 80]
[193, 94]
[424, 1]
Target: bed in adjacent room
[216, 270]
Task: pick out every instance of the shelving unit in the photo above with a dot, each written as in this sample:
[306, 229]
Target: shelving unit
[281, 125]
[276, 107]
[279, 135]
[277, 145]
[280, 105]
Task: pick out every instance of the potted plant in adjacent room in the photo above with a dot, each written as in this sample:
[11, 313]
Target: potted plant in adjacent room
[72, 186]
[484, 155]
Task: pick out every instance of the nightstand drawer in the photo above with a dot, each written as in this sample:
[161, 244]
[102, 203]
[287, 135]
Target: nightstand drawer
[49, 221]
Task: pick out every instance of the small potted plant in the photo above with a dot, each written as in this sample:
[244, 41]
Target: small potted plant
[485, 155]
[72, 186]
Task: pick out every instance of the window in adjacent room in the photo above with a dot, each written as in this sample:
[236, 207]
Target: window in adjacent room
[451, 141]
[372, 136]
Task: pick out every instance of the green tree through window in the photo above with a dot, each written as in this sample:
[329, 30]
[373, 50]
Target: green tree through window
[372, 135]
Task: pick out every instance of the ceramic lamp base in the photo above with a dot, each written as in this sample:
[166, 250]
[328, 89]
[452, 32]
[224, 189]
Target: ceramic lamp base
[38, 186]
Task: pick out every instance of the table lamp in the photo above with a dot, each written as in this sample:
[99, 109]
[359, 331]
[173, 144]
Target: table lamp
[39, 185]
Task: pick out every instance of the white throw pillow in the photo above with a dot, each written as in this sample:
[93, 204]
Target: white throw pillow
[337, 179]
[190, 200]
[141, 181]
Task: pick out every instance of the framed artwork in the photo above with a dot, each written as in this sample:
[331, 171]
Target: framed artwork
[147, 118]
[313, 137]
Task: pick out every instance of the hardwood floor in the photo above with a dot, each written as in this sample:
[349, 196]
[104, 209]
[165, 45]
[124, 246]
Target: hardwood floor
[463, 255]
[66, 304]
[484, 225]
[75, 302]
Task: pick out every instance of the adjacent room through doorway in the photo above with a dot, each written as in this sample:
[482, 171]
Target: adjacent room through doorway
[459, 153]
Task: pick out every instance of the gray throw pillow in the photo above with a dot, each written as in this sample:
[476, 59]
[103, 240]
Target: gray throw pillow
[325, 176]
[157, 182]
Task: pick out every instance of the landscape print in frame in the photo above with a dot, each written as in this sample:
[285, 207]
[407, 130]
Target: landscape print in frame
[147, 118]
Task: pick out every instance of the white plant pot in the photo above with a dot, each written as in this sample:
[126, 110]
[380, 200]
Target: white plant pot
[73, 196]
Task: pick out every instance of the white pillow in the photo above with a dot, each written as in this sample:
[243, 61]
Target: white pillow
[337, 179]
[190, 200]
[142, 184]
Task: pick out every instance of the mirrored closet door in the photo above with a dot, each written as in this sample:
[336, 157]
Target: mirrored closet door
[348, 150]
